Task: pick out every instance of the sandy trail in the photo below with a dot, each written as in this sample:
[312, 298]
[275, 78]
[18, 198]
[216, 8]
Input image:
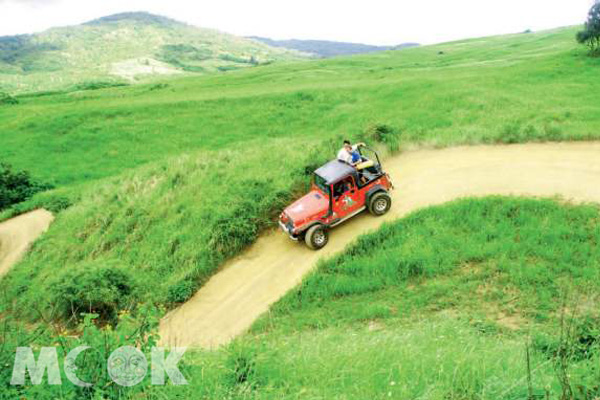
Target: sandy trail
[17, 234]
[232, 299]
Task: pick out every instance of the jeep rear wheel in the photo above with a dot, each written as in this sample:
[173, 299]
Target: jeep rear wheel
[316, 237]
[380, 203]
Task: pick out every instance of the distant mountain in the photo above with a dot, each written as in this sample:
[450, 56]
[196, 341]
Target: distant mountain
[124, 48]
[325, 48]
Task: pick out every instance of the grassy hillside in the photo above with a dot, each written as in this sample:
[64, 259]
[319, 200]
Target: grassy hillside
[172, 179]
[508, 89]
[396, 316]
[442, 304]
[122, 49]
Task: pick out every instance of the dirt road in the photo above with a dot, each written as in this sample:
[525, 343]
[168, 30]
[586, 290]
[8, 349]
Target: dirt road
[228, 304]
[17, 234]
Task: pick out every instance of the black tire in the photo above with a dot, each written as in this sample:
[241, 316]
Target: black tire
[380, 203]
[316, 237]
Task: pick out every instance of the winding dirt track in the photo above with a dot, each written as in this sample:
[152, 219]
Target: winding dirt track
[17, 234]
[232, 299]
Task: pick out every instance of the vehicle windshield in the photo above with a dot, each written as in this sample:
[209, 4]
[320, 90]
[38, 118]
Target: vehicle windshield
[369, 154]
[321, 184]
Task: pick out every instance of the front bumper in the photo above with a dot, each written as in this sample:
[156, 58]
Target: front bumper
[288, 231]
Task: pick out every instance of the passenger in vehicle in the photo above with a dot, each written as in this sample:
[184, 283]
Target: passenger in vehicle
[349, 153]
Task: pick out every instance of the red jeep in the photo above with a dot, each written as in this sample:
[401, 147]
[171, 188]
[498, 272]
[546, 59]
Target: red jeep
[339, 192]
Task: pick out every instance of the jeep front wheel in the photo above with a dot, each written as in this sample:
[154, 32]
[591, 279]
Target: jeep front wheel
[316, 237]
[380, 203]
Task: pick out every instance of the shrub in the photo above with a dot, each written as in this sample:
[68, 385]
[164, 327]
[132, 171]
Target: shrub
[383, 133]
[511, 133]
[17, 186]
[95, 85]
[225, 68]
[241, 366]
[6, 98]
[184, 56]
[159, 86]
[236, 59]
[102, 290]
[137, 330]
[56, 204]
[181, 291]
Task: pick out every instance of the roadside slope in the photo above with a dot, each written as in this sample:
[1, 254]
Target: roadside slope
[17, 234]
[230, 302]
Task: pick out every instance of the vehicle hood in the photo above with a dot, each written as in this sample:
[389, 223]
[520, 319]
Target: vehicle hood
[311, 204]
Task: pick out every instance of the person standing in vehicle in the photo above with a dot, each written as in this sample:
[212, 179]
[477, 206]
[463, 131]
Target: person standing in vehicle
[349, 153]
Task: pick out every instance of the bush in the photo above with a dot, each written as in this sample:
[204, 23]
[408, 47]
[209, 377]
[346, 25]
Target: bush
[241, 366]
[225, 68]
[17, 186]
[56, 204]
[136, 330]
[383, 133]
[95, 85]
[181, 291]
[102, 290]
[236, 59]
[6, 98]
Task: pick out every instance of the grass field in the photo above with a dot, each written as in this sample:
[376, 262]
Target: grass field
[247, 140]
[167, 181]
[517, 88]
[449, 317]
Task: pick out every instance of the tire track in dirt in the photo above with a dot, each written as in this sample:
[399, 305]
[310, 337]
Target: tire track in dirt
[232, 299]
[18, 233]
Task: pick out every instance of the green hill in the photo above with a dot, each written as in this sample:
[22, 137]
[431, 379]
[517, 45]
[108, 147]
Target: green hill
[242, 142]
[167, 180]
[123, 48]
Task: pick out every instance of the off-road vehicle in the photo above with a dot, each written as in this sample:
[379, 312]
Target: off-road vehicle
[338, 192]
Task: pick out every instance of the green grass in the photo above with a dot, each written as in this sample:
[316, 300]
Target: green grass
[168, 226]
[168, 180]
[504, 89]
[438, 305]
[173, 179]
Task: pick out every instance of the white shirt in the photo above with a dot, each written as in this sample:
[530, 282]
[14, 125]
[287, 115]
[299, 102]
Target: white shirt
[345, 156]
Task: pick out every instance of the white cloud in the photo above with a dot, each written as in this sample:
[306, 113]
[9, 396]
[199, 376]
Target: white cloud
[375, 21]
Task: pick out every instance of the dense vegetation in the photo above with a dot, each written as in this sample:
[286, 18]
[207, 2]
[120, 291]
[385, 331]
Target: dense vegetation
[17, 186]
[19, 50]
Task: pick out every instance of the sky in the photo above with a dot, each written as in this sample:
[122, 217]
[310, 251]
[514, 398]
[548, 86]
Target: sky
[382, 22]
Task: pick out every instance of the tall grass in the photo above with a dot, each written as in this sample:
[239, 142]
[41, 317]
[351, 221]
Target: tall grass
[442, 304]
[169, 226]
[526, 250]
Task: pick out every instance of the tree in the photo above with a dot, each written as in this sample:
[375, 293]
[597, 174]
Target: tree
[590, 34]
